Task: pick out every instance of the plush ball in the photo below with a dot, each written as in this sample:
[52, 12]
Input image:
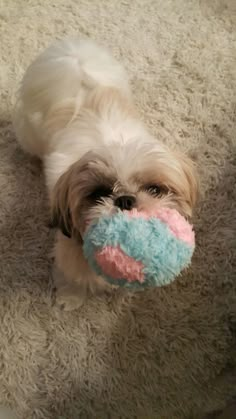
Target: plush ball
[139, 249]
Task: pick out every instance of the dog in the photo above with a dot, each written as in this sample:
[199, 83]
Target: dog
[75, 112]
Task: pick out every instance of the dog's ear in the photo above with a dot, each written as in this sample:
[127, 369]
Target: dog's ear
[60, 206]
[186, 182]
[58, 221]
[70, 192]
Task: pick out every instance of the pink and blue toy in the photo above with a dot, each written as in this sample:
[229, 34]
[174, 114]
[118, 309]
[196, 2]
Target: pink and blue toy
[139, 249]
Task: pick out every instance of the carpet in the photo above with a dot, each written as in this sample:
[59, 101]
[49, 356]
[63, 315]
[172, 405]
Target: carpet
[164, 354]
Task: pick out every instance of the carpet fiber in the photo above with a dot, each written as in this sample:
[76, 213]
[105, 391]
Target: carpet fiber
[163, 354]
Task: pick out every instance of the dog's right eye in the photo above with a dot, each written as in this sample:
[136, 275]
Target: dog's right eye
[100, 192]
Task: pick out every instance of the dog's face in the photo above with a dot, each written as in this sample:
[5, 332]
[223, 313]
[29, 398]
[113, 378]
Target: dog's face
[143, 176]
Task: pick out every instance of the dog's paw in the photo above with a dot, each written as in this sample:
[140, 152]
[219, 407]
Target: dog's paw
[68, 301]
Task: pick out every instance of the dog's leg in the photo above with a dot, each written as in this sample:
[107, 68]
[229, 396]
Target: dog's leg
[70, 295]
[73, 278]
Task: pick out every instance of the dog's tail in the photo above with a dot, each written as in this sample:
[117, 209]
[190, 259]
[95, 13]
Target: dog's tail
[67, 70]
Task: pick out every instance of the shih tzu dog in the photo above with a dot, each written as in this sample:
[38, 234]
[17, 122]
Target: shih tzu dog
[75, 112]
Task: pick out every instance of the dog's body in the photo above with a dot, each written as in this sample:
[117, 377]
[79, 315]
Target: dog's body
[75, 112]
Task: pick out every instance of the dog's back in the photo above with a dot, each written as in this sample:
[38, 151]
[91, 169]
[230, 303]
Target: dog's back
[67, 70]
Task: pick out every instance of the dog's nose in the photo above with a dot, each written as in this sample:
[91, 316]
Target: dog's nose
[125, 202]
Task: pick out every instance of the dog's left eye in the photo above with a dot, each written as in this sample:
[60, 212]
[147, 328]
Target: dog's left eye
[154, 190]
[100, 192]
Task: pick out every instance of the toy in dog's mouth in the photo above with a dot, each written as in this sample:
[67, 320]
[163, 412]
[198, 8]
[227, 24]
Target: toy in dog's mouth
[139, 249]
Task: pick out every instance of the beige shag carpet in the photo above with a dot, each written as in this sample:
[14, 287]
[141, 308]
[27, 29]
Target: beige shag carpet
[163, 354]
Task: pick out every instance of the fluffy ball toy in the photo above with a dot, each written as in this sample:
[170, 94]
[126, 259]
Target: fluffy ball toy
[139, 249]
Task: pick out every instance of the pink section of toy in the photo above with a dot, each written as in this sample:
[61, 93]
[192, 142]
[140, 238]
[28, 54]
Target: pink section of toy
[176, 222]
[117, 264]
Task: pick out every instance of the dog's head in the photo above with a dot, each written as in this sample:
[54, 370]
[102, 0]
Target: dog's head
[136, 175]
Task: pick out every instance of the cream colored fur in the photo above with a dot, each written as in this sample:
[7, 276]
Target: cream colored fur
[75, 100]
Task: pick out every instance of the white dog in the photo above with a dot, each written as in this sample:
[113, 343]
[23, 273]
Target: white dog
[75, 112]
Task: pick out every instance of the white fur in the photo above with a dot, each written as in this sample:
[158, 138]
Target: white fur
[67, 70]
[65, 74]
